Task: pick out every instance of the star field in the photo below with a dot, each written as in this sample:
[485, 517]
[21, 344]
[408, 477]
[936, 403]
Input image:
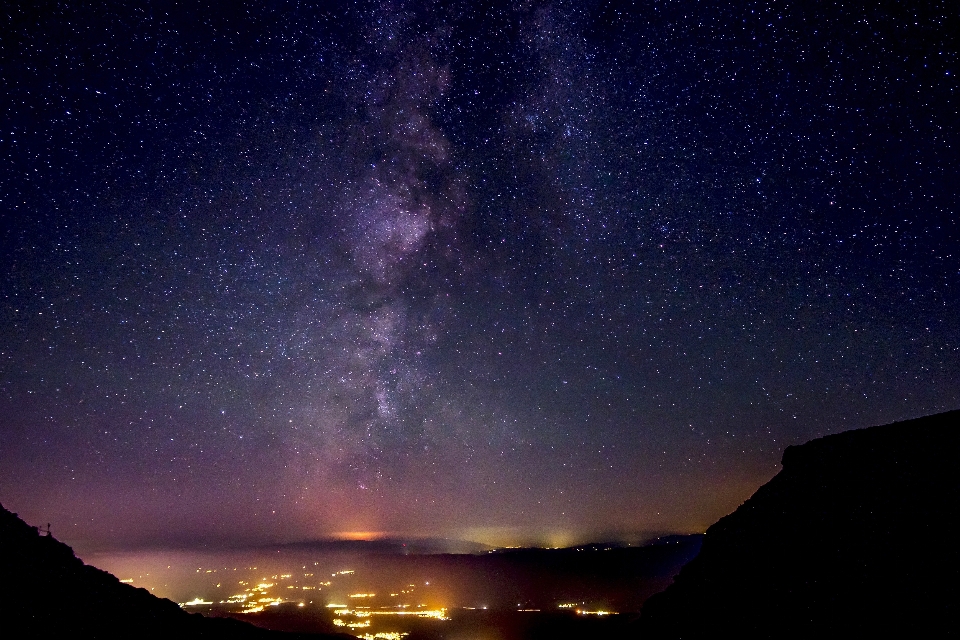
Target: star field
[528, 271]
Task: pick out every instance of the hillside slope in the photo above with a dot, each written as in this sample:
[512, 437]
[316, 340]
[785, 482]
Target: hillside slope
[45, 589]
[853, 537]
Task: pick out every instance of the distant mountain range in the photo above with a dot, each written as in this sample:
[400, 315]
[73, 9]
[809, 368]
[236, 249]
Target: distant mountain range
[853, 538]
[439, 546]
[46, 591]
[402, 546]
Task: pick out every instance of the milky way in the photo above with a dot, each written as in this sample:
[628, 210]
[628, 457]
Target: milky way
[524, 272]
[400, 197]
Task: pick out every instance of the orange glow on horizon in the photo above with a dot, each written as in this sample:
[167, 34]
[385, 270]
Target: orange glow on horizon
[360, 535]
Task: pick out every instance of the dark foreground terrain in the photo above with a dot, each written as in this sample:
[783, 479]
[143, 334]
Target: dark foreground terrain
[853, 538]
[46, 591]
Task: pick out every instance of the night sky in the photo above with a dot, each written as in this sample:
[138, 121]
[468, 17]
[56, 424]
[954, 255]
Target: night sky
[530, 272]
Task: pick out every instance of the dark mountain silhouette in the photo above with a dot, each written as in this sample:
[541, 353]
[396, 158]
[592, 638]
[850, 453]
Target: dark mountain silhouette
[852, 538]
[401, 546]
[45, 590]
